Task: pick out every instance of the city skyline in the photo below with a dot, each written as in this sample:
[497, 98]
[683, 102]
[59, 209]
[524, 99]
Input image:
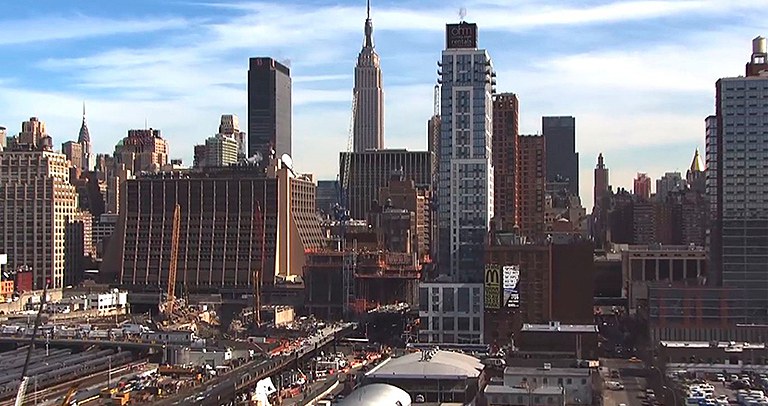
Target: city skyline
[180, 70]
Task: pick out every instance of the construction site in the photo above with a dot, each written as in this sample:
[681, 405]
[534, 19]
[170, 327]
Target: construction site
[344, 285]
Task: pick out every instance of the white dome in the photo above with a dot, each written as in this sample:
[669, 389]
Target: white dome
[379, 394]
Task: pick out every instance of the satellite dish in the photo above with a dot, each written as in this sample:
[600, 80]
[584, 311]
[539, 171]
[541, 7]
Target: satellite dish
[287, 161]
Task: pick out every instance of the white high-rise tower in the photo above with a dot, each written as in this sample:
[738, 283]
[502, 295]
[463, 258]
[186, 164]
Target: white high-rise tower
[465, 180]
[369, 114]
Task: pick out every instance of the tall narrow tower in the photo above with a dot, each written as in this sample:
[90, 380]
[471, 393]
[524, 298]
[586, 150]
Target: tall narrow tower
[369, 114]
[84, 139]
[601, 182]
[465, 196]
[737, 138]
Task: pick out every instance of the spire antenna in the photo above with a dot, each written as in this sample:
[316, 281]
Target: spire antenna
[368, 43]
[83, 109]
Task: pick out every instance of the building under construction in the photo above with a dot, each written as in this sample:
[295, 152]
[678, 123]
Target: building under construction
[345, 284]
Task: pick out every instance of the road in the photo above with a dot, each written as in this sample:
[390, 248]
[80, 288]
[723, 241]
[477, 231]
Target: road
[222, 389]
[630, 375]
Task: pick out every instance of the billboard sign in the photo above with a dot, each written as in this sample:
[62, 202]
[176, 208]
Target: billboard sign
[511, 283]
[492, 287]
[463, 35]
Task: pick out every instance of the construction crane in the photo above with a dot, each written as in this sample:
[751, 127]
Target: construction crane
[350, 259]
[259, 220]
[176, 229]
[24, 378]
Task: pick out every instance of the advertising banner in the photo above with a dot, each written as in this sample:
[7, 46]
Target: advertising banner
[510, 283]
[492, 287]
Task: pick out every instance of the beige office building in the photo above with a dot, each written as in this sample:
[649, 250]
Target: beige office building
[37, 203]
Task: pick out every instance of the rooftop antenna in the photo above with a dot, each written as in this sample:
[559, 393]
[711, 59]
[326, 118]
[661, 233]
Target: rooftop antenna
[145, 123]
[462, 13]
[368, 10]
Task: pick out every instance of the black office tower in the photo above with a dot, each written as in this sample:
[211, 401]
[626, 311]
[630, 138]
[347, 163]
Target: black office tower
[269, 108]
[562, 158]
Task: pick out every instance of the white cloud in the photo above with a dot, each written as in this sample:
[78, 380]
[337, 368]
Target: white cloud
[635, 96]
[44, 29]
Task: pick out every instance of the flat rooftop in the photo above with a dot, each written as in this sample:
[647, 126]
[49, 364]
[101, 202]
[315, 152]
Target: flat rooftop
[513, 390]
[529, 371]
[555, 327]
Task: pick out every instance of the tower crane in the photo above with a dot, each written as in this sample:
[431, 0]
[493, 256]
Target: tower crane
[350, 260]
[176, 228]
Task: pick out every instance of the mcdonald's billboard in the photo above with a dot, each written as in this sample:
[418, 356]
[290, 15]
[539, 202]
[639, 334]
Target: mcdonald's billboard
[492, 286]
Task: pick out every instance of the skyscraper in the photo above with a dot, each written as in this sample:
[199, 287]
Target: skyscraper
[142, 151]
[84, 139]
[505, 150]
[230, 128]
[532, 167]
[465, 183]
[602, 181]
[370, 171]
[695, 177]
[269, 108]
[38, 202]
[74, 153]
[740, 189]
[369, 114]
[562, 158]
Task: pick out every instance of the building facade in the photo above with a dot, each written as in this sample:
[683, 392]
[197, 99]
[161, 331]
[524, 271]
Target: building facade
[562, 158]
[74, 153]
[369, 91]
[451, 313]
[670, 182]
[465, 200]
[532, 175]
[403, 194]
[269, 108]
[602, 181]
[37, 204]
[217, 151]
[234, 222]
[642, 186]
[371, 170]
[505, 151]
[229, 127]
[642, 265]
[739, 187]
[142, 151]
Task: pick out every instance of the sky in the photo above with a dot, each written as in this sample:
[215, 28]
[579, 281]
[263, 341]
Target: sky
[638, 75]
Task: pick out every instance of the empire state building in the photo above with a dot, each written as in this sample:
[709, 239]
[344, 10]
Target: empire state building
[369, 114]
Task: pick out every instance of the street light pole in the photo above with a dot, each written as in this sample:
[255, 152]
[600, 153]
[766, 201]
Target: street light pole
[672, 391]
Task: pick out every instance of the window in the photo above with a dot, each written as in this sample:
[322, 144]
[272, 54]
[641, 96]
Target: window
[463, 324]
[448, 300]
[568, 381]
[448, 323]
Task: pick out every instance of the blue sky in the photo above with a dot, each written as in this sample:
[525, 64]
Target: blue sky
[638, 75]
